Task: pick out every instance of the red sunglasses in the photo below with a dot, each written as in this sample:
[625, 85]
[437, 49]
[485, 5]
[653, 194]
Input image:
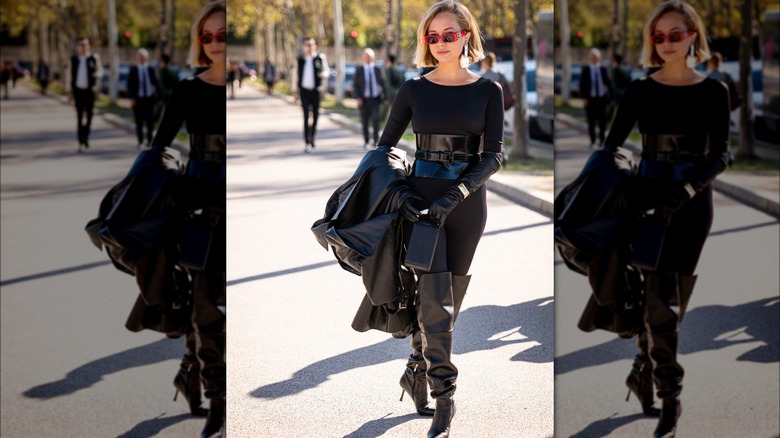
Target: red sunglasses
[673, 37]
[207, 39]
[449, 37]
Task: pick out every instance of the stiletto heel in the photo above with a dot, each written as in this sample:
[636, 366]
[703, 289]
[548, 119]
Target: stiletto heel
[188, 383]
[413, 382]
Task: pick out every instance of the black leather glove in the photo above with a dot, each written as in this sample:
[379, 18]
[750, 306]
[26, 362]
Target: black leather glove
[408, 210]
[488, 164]
[678, 196]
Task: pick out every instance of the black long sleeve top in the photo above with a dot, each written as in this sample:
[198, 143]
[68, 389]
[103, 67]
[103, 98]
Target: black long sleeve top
[198, 104]
[471, 109]
[700, 109]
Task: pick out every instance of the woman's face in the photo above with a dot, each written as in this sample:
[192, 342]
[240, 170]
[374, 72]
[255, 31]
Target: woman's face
[213, 26]
[668, 51]
[442, 23]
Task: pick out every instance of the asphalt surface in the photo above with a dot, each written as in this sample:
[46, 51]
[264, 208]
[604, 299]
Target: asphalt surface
[296, 367]
[69, 368]
[729, 339]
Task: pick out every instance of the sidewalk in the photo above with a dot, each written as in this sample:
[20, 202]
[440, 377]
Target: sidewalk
[759, 191]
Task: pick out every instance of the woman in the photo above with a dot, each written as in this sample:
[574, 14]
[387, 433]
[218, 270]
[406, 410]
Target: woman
[684, 120]
[453, 111]
[199, 102]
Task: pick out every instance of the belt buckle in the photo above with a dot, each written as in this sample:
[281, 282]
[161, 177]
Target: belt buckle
[449, 157]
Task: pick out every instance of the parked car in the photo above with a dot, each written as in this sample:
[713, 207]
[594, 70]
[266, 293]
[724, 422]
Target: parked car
[574, 84]
[507, 68]
[124, 73]
[349, 77]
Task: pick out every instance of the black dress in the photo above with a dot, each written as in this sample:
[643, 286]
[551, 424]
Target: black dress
[201, 106]
[699, 113]
[474, 109]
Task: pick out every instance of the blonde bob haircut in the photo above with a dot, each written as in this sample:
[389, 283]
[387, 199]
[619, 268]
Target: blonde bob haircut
[466, 21]
[198, 56]
[692, 21]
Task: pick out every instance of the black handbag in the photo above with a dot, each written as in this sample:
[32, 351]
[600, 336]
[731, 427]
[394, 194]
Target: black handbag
[646, 249]
[422, 245]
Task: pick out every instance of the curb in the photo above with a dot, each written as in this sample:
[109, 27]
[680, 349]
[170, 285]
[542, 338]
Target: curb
[536, 200]
[758, 199]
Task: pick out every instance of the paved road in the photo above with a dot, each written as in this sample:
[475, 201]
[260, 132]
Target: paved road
[69, 367]
[296, 367]
[729, 344]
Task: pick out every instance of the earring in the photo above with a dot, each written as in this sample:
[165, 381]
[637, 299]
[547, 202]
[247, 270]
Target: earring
[690, 61]
[465, 60]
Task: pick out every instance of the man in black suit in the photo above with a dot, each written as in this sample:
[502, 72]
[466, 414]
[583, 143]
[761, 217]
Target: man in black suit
[85, 75]
[596, 93]
[143, 91]
[312, 69]
[369, 90]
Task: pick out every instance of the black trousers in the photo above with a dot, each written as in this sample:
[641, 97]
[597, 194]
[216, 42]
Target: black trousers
[461, 231]
[310, 99]
[370, 110]
[596, 112]
[143, 111]
[85, 104]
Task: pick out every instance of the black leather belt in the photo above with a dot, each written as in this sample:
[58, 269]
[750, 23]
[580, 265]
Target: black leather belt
[674, 148]
[445, 157]
[464, 144]
[207, 147]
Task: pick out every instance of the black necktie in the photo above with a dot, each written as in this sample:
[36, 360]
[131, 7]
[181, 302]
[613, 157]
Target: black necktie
[371, 81]
[142, 78]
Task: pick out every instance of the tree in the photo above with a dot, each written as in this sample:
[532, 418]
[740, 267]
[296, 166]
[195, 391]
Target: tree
[520, 134]
[563, 23]
[746, 136]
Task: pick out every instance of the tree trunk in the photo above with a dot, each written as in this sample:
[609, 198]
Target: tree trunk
[563, 14]
[173, 30]
[745, 87]
[338, 35]
[398, 16]
[520, 134]
[113, 79]
[389, 29]
[613, 42]
[163, 45]
[624, 38]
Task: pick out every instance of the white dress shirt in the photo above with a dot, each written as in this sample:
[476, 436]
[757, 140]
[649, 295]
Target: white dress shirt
[597, 88]
[82, 79]
[307, 81]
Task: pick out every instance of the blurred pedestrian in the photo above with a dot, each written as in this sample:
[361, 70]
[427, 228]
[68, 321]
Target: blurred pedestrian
[596, 92]
[86, 72]
[620, 77]
[199, 103]
[5, 76]
[269, 75]
[369, 89]
[459, 120]
[682, 152]
[394, 78]
[168, 78]
[313, 74]
[487, 71]
[232, 78]
[714, 71]
[42, 75]
[143, 89]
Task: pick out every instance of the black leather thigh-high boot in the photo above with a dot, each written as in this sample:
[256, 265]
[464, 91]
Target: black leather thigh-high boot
[436, 316]
[667, 295]
[209, 324]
